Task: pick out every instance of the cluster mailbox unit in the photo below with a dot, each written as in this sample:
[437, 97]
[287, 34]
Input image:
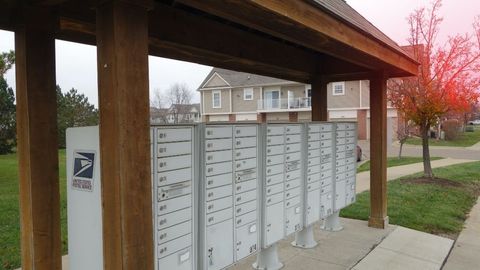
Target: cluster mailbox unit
[221, 192]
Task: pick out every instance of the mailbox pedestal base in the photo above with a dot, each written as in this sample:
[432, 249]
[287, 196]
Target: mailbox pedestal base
[268, 259]
[304, 238]
[332, 223]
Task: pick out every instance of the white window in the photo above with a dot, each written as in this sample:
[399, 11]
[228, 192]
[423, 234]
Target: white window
[247, 93]
[338, 88]
[217, 99]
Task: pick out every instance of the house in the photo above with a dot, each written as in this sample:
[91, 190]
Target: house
[227, 95]
[177, 113]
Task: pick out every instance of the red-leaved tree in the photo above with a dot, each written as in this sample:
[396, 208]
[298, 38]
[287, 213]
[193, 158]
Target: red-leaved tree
[448, 78]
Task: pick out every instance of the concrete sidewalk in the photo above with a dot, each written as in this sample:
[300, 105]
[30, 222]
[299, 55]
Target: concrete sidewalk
[466, 250]
[363, 178]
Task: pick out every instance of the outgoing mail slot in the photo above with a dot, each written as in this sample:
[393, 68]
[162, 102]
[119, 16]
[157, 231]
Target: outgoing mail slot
[245, 131]
[275, 130]
[293, 165]
[168, 206]
[313, 169]
[245, 153]
[293, 129]
[245, 142]
[326, 127]
[274, 179]
[294, 147]
[313, 137]
[326, 136]
[245, 186]
[313, 186]
[174, 218]
[312, 128]
[246, 218]
[340, 141]
[174, 134]
[275, 169]
[294, 138]
[272, 160]
[173, 232]
[274, 189]
[293, 183]
[172, 191]
[314, 161]
[218, 132]
[173, 163]
[218, 144]
[245, 164]
[219, 192]
[275, 140]
[292, 202]
[218, 156]
[245, 197]
[245, 175]
[174, 149]
[174, 245]
[292, 193]
[219, 216]
[216, 205]
[313, 145]
[293, 156]
[326, 189]
[275, 198]
[313, 178]
[218, 168]
[173, 177]
[218, 180]
[245, 207]
[292, 175]
[275, 149]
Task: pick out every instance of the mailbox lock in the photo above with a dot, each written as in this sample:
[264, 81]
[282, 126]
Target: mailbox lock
[162, 135]
[210, 182]
[210, 194]
[239, 210]
[163, 235]
[162, 179]
[210, 207]
[163, 250]
[239, 199]
[239, 221]
[163, 221]
[210, 219]
[239, 187]
[163, 207]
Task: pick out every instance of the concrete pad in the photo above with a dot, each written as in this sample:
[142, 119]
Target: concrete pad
[424, 246]
[381, 259]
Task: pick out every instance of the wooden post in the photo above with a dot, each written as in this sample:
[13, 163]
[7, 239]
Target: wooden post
[122, 46]
[37, 145]
[378, 151]
[319, 99]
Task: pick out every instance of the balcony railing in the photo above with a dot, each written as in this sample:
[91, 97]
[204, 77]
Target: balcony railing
[284, 104]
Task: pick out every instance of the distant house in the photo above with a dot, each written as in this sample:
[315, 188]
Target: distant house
[237, 96]
[177, 113]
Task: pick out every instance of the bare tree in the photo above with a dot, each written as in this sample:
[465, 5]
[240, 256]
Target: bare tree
[403, 133]
[174, 102]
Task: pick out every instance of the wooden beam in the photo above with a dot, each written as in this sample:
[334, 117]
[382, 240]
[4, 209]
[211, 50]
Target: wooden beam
[378, 151]
[304, 23]
[122, 49]
[319, 99]
[37, 145]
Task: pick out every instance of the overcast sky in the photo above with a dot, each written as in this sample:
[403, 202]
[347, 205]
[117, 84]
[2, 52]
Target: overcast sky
[76, 63]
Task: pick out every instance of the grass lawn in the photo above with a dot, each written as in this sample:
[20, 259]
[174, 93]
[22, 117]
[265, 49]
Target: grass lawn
[437, 207]
[395, 161]
[9, 210]
[464, 139]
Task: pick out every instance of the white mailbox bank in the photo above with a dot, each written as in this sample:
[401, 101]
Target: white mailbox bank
[221, 192]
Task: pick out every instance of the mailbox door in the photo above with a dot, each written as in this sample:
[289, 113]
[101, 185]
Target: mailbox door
[340, 196]
[326, 205]
[246, 243]
[180, 260]
[219, 245]
[274, 216]
[293, 217]
[313, 207]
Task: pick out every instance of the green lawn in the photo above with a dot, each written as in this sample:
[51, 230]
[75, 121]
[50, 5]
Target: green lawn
[9, 213]
[395, 161]
[430, 207]
[464, 139]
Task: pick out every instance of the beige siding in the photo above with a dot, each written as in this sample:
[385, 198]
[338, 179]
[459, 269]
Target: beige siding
[225, 103]
[298, 91]
[365, 94]
[241, 105]
[349, 100]
[215, 81]
[304, 116]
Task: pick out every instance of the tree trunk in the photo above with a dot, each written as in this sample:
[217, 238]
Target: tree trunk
[400, 151]
[427, 167]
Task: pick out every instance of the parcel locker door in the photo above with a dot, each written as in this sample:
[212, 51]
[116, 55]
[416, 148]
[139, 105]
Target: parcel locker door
[293, 219]
[180, 260]
[326, 205]
[340, 196]
[274, 216]
[219, 245]
[313, 207]
[247, 241]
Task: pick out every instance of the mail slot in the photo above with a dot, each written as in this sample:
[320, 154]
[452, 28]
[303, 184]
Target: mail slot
[219, 216]
[245, 142]
[218, 156]
[216, 205]
[174, 245]
[173, 134]
[275, 130]
[219, 192]
[245, 153]
[174, 149]
[168, 206]
[218, 132]
[174, 232]
[275, 140]
[172, 191]
[173, 177]
[245, 131]
[218, 168]
[218, 144]
[173, 163]
[173, 218]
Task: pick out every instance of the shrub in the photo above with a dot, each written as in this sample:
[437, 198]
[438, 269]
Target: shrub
[469, 129]
[451, 129]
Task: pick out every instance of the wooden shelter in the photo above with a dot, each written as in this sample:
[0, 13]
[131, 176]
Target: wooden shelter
[310, 41]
